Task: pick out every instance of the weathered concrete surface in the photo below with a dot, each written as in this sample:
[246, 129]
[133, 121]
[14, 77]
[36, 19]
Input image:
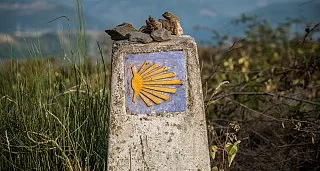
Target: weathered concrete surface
[157, 141]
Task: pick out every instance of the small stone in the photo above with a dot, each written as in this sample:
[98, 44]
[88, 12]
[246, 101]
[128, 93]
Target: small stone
[172, 23]
[143, 29]
[121, 31]
[161, 35]
[140, 37]
[151, 25]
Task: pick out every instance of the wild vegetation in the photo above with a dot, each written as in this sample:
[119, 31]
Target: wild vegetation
[262, 100]
[54, 111]
[262, 97]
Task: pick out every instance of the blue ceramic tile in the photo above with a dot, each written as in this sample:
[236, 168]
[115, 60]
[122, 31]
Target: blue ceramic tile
[175, 62]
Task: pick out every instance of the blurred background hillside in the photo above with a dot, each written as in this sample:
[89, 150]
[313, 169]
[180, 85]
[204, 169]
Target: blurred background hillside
[24, 20]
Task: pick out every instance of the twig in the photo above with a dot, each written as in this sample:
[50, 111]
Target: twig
[266, 94]
[255, 111]
[232, 47]
[292, 145]
[309, 31]
[59, 18]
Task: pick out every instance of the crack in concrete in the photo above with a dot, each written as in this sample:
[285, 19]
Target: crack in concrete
[143, 154]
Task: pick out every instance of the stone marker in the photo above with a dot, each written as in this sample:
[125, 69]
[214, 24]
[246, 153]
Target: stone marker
[157, 120]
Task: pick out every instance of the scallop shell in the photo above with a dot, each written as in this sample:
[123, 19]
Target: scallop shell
[150, 83]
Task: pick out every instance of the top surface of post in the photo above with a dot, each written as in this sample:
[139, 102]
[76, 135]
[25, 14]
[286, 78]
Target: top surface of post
[175, 39]
[176, 43]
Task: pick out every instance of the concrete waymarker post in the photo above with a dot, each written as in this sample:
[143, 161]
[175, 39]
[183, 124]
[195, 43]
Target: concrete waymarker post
[157, 120]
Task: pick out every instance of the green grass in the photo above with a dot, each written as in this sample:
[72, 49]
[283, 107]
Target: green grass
[54, 112]
[53, 117]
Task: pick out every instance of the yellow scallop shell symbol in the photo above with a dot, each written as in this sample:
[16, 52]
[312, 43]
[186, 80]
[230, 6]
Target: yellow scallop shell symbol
[149, 83]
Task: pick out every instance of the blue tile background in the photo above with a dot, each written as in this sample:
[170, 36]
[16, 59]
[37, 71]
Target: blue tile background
[175, 62]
